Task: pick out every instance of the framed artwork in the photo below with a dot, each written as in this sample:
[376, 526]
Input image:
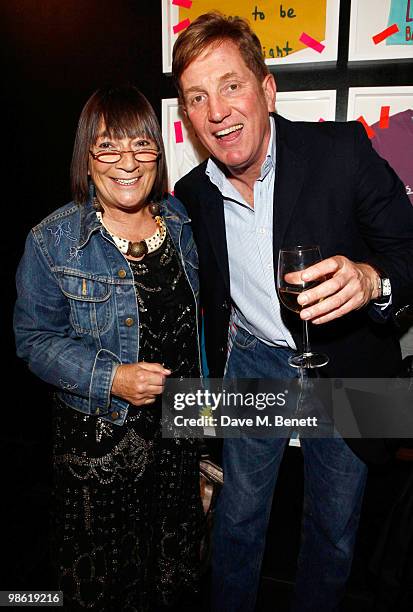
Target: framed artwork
[381, 30]
[374, 104]
[184, 151]
[291, 32]
[307, 105]
[387, 115]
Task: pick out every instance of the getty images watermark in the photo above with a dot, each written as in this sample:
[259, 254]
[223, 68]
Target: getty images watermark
[309, 407]
[208, 402]
[230, 408]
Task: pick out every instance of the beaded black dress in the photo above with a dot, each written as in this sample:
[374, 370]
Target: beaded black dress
[127, 514]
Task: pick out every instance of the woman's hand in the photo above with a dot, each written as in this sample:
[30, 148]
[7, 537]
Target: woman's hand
[139, 383]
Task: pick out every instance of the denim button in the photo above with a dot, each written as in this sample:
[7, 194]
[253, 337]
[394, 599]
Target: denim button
[122, 273]
[129, 322]
[114, 415]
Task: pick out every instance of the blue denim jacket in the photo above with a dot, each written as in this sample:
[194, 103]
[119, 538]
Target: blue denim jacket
[76, 315]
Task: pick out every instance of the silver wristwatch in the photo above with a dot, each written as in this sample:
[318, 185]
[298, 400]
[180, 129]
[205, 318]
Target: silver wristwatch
[385, 287]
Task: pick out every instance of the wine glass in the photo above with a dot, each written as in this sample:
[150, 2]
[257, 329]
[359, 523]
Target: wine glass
[295, 259]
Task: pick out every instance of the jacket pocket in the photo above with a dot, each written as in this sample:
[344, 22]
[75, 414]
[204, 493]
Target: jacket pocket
[90, 303]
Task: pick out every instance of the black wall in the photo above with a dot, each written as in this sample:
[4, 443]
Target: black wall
[57, 53]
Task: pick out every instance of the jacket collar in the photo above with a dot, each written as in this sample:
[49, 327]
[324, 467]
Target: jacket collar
[290, 173]
[214, 224]
[89, 222]
[172, 212]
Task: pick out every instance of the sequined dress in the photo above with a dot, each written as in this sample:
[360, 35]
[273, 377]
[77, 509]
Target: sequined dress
[127, 514]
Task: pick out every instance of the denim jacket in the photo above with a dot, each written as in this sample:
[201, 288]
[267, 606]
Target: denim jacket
[76, 316]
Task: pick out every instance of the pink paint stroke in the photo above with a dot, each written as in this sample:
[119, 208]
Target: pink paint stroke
[179, 137]
[183, 3]
[312, 43]
[384, 117]
[378, 38]
[181, 26]
[370, 132]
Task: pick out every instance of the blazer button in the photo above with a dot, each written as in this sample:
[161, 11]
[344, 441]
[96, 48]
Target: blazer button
[225, 305]
[122, 273]
[129, 322]
[114, 415]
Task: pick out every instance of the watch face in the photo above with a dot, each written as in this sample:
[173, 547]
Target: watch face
[385, 287]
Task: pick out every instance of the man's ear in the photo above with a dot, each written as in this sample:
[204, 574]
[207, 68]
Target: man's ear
[183, 108]
[270, 89]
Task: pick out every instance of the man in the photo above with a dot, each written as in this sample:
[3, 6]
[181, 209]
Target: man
[270, 183]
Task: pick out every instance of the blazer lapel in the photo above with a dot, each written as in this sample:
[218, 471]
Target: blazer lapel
[291, 171]
[214, 222]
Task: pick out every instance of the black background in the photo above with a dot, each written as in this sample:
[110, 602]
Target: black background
[56, 54]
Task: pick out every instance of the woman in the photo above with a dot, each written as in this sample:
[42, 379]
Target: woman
[106, 311]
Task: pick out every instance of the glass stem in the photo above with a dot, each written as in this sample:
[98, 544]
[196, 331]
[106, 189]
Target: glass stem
[306, 341]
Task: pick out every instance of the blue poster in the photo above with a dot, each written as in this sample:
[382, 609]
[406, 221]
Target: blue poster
[401, 12]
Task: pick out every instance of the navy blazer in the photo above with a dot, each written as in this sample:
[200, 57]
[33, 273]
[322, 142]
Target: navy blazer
[331, 189]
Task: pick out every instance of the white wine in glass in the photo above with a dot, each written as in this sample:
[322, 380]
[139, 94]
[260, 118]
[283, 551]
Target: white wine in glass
[297, 259]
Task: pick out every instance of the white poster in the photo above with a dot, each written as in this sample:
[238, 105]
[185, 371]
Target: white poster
[381, 30]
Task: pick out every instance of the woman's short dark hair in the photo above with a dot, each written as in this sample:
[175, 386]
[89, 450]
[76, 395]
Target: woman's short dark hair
[126, 114]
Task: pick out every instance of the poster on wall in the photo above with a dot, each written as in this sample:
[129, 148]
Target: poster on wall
[182, 148]
[381, 30]
[184, 151]
[387, 115]
[290, 31]
[307, 105]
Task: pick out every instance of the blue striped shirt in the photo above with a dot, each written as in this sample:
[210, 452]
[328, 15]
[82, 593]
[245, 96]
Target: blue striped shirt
[255, 304]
